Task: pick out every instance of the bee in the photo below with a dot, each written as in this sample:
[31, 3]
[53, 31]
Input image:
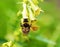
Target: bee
[25, 26]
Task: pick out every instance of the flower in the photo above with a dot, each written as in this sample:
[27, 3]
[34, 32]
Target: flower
[35, 8]
[31, 15]
[8, 44]
[35, 1]
[24, 13]
[25, 1]
[38, 11]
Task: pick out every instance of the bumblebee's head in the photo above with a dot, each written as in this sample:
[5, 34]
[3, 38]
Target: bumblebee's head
[26, 28]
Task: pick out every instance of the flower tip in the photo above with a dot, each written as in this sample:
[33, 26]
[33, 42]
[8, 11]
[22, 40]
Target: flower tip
[41, 10]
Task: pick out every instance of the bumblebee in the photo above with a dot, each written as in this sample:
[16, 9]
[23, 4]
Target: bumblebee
[25, 26]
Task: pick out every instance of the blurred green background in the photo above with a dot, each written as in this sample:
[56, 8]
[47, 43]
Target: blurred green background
[48, 33]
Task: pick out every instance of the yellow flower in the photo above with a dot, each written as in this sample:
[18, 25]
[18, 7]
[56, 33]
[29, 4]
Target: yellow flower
[38, 11]
[25, 1]
[31, 14]
[24, 13]
[35, 8]
[7, 44]
[35, 1]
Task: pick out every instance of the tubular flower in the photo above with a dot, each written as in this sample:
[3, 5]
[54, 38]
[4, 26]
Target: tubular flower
[24, 13]
[35, 1]
[25, 1]
[7, 44]
[31, 15]
[35, 8]
[38, 11]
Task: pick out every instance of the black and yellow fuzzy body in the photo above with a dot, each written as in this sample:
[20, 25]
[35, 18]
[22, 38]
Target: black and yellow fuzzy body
[25, 26]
